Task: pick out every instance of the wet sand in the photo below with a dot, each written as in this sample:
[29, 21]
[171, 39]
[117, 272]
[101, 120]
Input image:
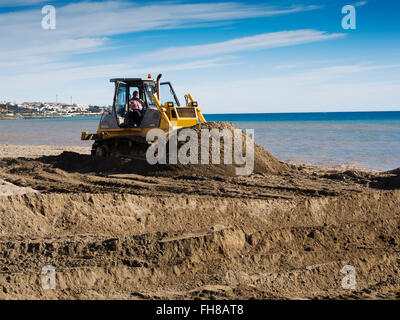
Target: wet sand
[114, 232]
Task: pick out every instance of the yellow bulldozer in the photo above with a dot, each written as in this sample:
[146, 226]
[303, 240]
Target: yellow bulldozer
[119, 133]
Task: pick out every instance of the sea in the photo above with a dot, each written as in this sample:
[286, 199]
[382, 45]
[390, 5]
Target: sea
[359, 139]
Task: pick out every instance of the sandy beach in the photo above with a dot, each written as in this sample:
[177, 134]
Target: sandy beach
[33, 151]
[115, 230]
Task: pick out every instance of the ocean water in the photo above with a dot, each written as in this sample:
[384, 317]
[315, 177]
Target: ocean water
[363, 139]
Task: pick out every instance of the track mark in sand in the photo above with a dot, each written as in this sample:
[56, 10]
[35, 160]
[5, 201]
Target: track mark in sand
[319, 265]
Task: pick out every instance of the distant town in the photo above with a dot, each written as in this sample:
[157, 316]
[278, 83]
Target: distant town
[28, 110]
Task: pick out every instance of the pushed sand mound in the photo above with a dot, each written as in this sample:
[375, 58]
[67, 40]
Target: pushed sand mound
[254, 157]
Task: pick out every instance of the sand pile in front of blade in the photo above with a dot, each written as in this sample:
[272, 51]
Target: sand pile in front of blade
[264, 162]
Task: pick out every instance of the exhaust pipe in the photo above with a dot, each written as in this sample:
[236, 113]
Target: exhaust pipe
[158, 85]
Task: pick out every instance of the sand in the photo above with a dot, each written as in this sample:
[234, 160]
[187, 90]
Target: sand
[9, 189]
[115, 230]
[30, 151]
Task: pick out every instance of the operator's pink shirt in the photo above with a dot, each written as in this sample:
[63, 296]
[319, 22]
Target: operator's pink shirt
[136, 104]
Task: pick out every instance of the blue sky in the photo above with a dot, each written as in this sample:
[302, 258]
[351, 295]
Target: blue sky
[233, 56]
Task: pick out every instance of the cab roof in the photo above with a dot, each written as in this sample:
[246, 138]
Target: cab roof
[131, 80]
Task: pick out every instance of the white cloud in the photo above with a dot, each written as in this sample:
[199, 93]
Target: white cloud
[334, 88]
[86, 26]
[62, 46]
[298, 64]
[89, 84]
[38, 71]
[257, 42]
[360, 3]
[58, 75]
[19, 3]
[94, 19]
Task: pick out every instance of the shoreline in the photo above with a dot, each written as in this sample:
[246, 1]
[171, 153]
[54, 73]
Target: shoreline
[22, 117]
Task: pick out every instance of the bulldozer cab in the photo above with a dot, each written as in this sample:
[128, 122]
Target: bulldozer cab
[118, 116]
[124, 93]
[150, 115]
